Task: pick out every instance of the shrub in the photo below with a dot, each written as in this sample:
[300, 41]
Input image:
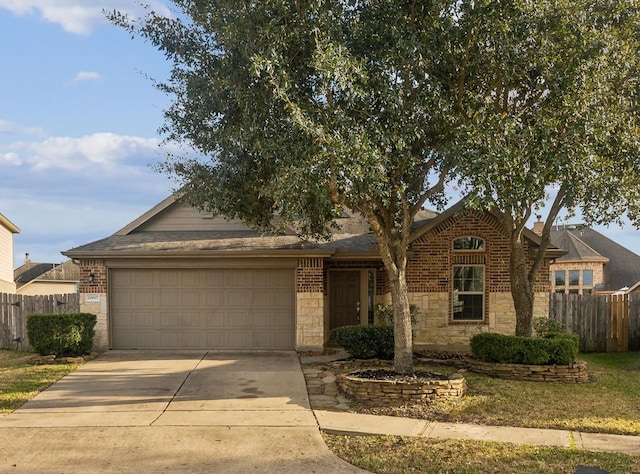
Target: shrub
[554, 348]
[61, 334]
[363, 342]
[544, 326]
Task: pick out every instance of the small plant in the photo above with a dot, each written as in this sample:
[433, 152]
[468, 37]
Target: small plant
[61, 334]
[384, 314]
[544, 326]
[364, 342]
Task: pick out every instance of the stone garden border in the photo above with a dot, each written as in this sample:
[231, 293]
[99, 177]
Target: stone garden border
[576, 372]
[393, 392]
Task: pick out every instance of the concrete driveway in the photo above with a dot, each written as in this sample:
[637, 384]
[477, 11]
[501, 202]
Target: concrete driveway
[148, 411]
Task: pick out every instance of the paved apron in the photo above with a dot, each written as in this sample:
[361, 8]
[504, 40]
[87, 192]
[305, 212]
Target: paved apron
[152, 411]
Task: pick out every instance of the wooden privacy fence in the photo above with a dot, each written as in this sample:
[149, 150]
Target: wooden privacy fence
[15, 308]
[605, 323]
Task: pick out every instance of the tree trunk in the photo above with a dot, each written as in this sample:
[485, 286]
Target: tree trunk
[521, 288]
[403, 347]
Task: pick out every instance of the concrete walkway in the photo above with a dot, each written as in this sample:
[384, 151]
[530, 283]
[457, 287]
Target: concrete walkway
[144, 411]
[331, 408]
[353, 424]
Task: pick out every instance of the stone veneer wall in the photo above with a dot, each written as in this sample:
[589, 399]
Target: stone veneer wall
[435, 331]
[93, 298]
[310, 320]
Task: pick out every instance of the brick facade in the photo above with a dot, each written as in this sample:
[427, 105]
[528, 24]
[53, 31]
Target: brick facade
[94, 298]
[97, 283]
[310, 275]
[429, 279]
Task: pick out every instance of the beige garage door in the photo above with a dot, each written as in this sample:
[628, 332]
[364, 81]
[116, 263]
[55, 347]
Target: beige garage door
[202, 309]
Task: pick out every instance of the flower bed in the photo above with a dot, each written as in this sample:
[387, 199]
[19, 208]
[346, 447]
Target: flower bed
[385, 388]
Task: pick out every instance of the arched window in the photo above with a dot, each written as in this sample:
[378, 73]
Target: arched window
[469, 243]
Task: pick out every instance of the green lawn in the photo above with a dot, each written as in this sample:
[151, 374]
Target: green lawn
[21, 381]
[610, 404]
[393, 454]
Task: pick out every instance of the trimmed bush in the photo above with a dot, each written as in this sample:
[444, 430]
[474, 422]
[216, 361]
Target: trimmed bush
[554, 348]
[61, 334]
[364, 342]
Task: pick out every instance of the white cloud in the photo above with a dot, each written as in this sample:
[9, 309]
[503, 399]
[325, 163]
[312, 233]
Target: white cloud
[10, 159]
[10, 128]
[78, 16]
[106, 151]
[87, 76]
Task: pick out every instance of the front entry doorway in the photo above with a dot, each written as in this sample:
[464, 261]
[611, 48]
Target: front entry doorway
[344, 296]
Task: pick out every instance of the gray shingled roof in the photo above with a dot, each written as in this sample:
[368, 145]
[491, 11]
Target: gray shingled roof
[218, 241]
[29, 271]
[576, 248]
[623, 267]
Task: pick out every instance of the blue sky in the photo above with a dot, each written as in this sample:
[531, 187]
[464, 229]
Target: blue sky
[78, 125]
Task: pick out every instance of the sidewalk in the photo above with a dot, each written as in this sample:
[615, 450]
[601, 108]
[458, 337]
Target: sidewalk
[336, 422]
[330, 409]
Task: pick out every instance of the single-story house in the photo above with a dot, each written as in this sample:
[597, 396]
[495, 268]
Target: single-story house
[176, 278]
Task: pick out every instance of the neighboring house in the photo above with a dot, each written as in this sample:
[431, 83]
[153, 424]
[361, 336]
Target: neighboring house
[178, 279]
[7, 229]
[33, 278]
[593, 263]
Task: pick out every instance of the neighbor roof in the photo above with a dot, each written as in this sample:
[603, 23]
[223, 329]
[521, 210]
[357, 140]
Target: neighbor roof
[10, 226]
[32, 271]
[622, 268]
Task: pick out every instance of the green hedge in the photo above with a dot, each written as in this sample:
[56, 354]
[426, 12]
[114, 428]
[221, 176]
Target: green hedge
[553, 348]
[61, 334]
[364, 342]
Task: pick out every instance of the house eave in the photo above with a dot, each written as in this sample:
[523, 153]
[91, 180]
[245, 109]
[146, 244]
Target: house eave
[10, 226]
[199, 253]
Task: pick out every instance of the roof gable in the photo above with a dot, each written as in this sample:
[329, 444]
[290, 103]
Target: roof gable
[460, 207]
[172, 214]
[577, 250]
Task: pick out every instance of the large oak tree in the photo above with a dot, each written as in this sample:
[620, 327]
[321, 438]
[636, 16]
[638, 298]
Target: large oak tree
[547, 95]
[305, 107]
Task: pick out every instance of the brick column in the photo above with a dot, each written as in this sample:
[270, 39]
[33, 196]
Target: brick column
[93, 298]
[310, 304]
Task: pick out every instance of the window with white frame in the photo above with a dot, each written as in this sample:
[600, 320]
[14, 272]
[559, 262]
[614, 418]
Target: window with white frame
[468, 293]
[468, 288]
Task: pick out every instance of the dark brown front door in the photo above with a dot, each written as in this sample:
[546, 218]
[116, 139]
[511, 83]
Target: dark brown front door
[344, 295]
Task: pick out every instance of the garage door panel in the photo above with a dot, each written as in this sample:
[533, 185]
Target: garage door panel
[280, 300]
[202, 308]
[215, 298]
[236, 319]
[238, 298]
[237, 339]
[144, 299]
[191, 320]
[236, 279]
[142, 278]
